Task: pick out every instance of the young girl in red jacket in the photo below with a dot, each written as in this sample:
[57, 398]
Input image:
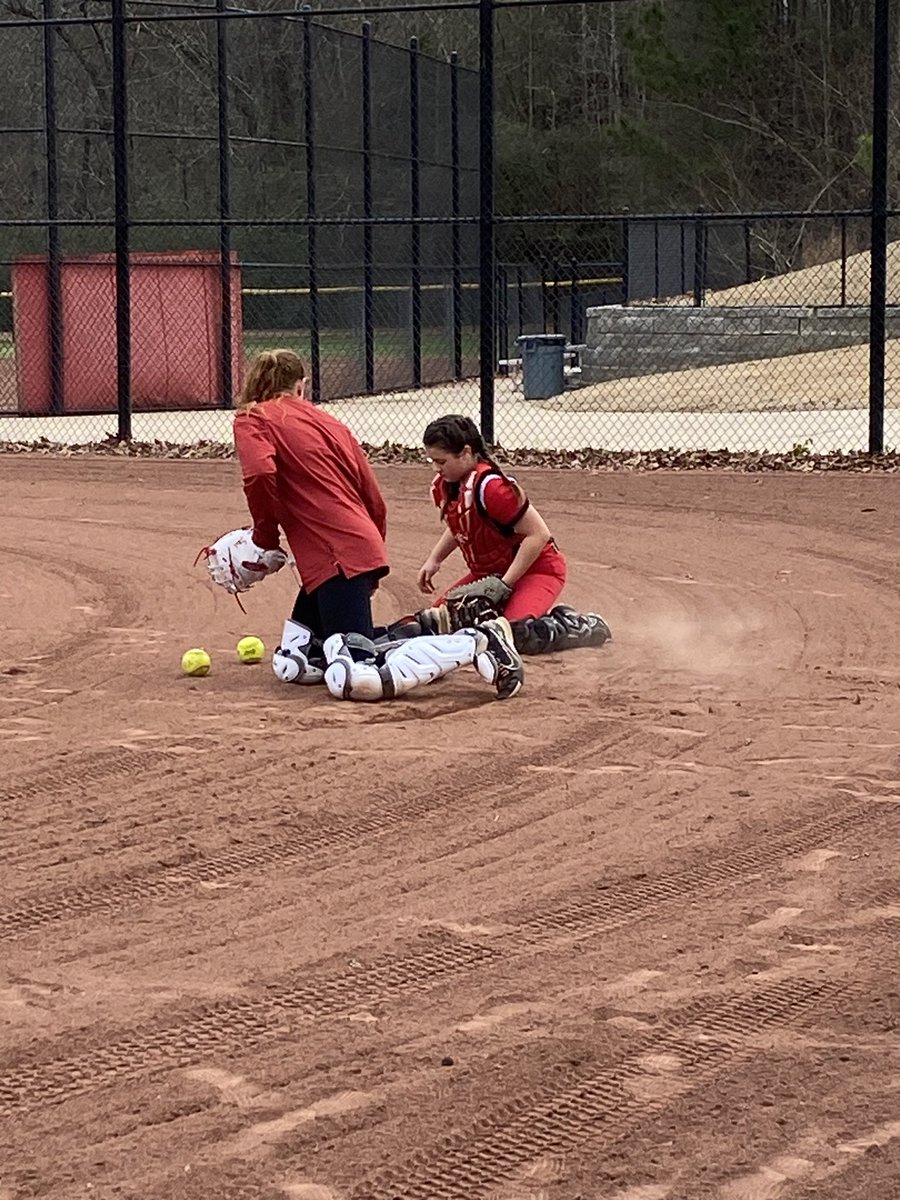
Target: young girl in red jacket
[503, 539]
[304, 471]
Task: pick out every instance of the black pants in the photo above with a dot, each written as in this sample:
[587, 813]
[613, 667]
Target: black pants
[340, 605]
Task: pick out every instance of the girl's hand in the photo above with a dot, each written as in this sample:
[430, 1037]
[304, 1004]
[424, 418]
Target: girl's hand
[427, 572]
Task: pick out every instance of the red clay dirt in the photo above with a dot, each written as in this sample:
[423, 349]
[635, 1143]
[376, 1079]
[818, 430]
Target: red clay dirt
[630, 936]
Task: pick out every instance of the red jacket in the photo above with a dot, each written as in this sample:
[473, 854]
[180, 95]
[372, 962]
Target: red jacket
[305, 471]
[482, 517]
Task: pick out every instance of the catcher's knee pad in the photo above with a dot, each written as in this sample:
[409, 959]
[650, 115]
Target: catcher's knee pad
[298, 659]
[352, 646]
[354, 670]
[349, 680]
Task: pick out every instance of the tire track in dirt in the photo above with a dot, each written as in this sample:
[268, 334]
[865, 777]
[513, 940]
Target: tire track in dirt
[601, 1108]
[429, 962]
[150, 775]
[76, 772]
[608, 911]
[309, 840]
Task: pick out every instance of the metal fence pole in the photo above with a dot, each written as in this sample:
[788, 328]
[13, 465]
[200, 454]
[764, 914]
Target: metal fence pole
[54, 281]
[309, 118]
[699, 259]
[415, 212]
[455, 237]
[878, 283]
[122, 219]
[502, 315]
[226, 350]
[487, 251]
[554, 297]
[520, 301]
[575, 319]
[368, 209]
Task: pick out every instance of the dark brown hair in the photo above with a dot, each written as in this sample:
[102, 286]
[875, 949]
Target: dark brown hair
[452, 433]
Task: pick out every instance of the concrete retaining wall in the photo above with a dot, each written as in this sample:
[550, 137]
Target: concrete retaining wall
[625, 341]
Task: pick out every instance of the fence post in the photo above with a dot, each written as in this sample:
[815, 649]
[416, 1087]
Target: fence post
[502, 316]
[486, 256]
[626, 256]
[122, 220]
[455, 239]
[520, 301]
[309, 120]
[225, 346]
[881, 75]
[699, 258]
[415, 212]
[576, 324]
[54, 283]
[368, 209]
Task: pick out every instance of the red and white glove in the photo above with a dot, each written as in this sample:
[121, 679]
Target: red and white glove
[235, 562]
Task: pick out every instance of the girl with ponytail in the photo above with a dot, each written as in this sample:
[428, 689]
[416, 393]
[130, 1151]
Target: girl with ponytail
[305, 474]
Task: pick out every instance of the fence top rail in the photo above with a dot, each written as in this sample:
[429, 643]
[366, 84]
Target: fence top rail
[207, 13]
[449, 219]
[700, 214]
[211, 14]
[230, 14]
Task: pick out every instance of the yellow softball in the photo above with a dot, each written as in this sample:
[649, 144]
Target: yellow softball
[250, 650]
[195, 662]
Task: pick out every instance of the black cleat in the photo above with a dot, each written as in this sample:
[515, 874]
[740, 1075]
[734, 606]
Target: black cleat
[509, 671]
[581, 629]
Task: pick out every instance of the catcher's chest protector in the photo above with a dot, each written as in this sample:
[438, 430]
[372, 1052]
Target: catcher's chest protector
[487, 547]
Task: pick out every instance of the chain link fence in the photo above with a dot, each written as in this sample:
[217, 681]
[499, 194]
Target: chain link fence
[188, 183]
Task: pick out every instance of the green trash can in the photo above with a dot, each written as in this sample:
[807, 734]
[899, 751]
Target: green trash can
[543, 356]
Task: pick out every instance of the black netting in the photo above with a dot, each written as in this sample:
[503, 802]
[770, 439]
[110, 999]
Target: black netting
[677, 202]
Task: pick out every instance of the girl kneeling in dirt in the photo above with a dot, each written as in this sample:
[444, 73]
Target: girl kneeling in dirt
[505, 543]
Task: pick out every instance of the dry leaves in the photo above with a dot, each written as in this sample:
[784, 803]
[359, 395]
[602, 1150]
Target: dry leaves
[798, 459]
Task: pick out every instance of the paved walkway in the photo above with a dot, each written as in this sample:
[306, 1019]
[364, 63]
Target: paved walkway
[401, 418]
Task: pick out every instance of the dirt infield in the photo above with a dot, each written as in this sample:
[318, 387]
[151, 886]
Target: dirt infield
[631, 936]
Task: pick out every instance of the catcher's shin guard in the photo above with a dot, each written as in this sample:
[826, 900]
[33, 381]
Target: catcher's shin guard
[299, 658]
[561, 629]
[500, 663]
[359, 672]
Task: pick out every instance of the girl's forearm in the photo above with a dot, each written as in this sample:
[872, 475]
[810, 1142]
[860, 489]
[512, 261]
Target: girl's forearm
[526, 556]
[444, 547]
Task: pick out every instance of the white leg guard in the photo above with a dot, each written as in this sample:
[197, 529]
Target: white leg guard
[418, 661]
[290, 661]
[425, 659]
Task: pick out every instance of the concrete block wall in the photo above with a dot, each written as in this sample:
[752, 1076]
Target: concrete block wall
[628, 340]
